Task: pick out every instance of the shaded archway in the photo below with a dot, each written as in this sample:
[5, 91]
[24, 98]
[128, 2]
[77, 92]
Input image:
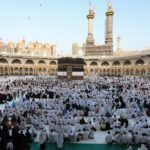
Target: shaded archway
[3, 61]
[105, 63]
[53, 63]
[16, 71]
[127, 63]
[16, 61]
[116, 63]
[29, 62]
[42, 62]
[140, 62]
[93, 63]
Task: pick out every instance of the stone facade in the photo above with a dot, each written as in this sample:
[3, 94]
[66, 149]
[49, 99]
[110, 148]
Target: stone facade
[134, 65]
[27, 66]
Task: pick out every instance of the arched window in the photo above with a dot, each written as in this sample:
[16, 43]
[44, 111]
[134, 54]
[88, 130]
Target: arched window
[127, 63]
[140, 62]
[53, 63]
[116, 63]
[42, 62]
[105, 63]
[3, 61]
[16, 61]
[29, 62]
[93, 63]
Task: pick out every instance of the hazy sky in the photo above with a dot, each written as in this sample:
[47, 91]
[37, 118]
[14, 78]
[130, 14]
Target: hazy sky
[64, 22]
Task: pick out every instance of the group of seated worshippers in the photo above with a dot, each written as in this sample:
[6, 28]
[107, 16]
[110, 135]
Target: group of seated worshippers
[80, 108]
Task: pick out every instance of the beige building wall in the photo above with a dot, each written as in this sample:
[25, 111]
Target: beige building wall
[134, 66]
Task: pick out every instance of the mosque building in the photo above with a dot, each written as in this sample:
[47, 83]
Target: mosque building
[36, 58]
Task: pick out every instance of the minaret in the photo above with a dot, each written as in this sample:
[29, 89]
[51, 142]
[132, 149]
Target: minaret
[90, 17]
[109, 25]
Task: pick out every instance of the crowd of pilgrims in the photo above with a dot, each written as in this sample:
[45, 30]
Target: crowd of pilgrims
[56, 111]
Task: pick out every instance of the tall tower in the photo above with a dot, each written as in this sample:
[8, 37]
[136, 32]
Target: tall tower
[109, 25]
[90, 17]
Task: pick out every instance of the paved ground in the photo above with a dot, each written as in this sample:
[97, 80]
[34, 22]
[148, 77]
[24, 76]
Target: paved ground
[35, 146]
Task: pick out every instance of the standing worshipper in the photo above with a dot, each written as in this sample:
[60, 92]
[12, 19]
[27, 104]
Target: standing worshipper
[14, 104]
[59, 140]
[10, 145]
[42, 140]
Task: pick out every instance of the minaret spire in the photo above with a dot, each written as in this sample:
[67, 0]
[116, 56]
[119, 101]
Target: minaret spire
[90, 17]
[109, 24]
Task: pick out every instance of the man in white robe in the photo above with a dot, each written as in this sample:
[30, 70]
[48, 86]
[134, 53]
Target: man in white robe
[52, 136]
[109, 138]
[42, 139]
[59, 139]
